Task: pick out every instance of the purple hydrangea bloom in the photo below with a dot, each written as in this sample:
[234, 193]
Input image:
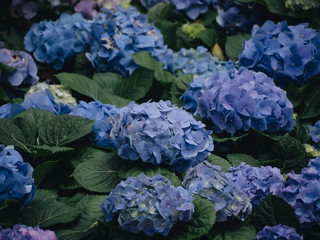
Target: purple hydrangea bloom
[16, 180]
[27, 8]
[200, 63]
[56, 42]
[118, 34]
[160, 132]
[25, 72]
[302, 191]
[256, 182]
[151, 205]
[243, 99]
[314, 132]
[285, 53]
[209, 182]
[278, 232]
[99, 112]
[22, 232]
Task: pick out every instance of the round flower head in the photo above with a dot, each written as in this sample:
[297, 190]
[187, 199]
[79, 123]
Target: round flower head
[22, 232]
[243, 99]
[314, 133]
[302, 4]
[56, 42]
[16, 180]
[99, 112]
[256, 182]
[276, 232]
[285, 53]
[151, 205]
[160, 132]
[302, 191]
[25, 70]
[193, 29]
[118, 34]
[209, 182]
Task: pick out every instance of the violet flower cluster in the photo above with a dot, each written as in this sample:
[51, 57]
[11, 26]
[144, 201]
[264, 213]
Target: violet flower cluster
[99, 112]
[209, 182]
[16, 180]
[243, 99]
[314, 133]
[118, 34]
[25, 70]
[23, 232]
[278, 232]
[257, 182]
[159, 132]
[56, 42]
[302, 191]
[151, 205]
[200, 63]
[285, 53]
[27, 8]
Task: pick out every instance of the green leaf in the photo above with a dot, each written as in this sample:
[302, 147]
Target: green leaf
[208, 36]
[274, 210]
[107, 97]
[232, 231]
[178, 87]
[160, 11]
[6, 68]
[9, 213]
[237, 158]
[82, 65]
[29, 130]
[45, 150]
[42, 170]
[3, 96]
[234, 44]
[310, 105]
[219, 138]
[91, 207]
[276, 6]
[108, 80]
[216, 160]
[98, 172]
[64, 129]
[80, 84]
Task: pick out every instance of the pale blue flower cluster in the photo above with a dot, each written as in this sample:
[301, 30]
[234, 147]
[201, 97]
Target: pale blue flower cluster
[314, 133]
[302, 191]
[119, 33]
[99, 112]
[243, 99]
[151, 205]
[209, 182]
[23, 232]
[159, 132]
[56, 42]
[200, 63]
[278, 232]
[285, 53]
[257, 182]
[16, 180]
[25, 70]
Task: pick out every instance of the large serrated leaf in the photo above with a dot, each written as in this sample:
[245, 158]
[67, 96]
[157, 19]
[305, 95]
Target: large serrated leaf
[91, 206]
[64, 129]
[232, 231]
[178, 87]
[237, 158]
[233, 45]
[216, 160]
[107, 97]
[98, 172]
[28, 128]
[35, 116]
[160, 11]
[41, 171]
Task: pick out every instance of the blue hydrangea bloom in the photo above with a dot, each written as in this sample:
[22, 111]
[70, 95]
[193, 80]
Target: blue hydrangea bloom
[209, 182]
[151, 205]
[56, 42]
[256, 182]
[25, 72]
[285, 53]
[200, 63]
[158, 132]
[26, 8]
[314, 132]
[99, 112]
[243, 99]
[22, 232]
[302, 191]
[302, 4]
[16, 180]
[118, 34]
[276, 232]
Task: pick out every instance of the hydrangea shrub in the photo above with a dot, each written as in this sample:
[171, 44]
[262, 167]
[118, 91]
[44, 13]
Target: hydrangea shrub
[152, 205]
[279, 231]
[23, 232]
[209, 182]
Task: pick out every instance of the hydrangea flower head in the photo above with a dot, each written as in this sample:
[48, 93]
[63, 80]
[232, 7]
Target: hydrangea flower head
[119, 33]
[151, 205]
[285, 53]
[279, 231]
[243, 99]
[209, 182]
[314, 132]
[159, 132]
[25, 68]
[302, 191]
[302, 4]
[16, 180]
[26, 8]
[56, 42]
[22, 232]
[256, 182]
[192, 29]
[99, 112]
